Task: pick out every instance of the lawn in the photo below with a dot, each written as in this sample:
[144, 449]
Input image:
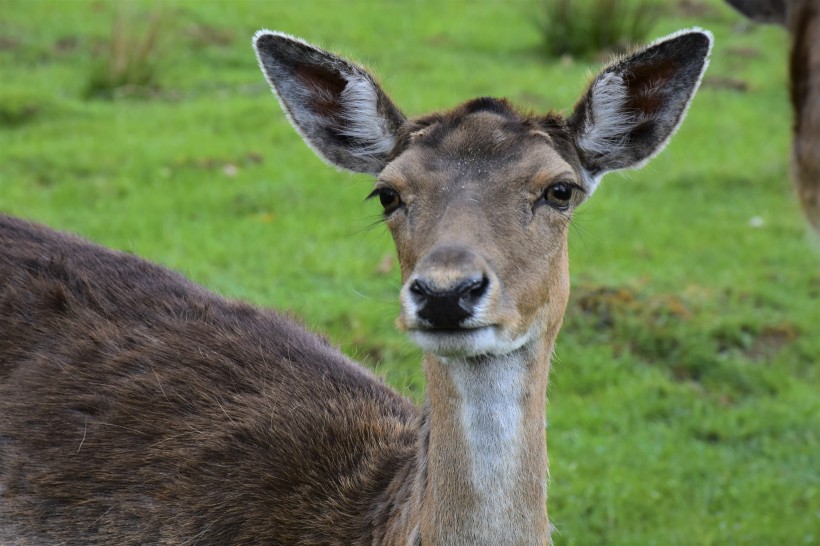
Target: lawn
[684, 406]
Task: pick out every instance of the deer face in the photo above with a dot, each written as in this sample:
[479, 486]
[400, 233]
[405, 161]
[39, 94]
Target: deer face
[479, 199]
[479, 205]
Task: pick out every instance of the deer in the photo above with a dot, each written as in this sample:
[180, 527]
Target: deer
[802, 20]
[137, 407]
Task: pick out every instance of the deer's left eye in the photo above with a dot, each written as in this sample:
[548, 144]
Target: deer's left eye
[559, 195]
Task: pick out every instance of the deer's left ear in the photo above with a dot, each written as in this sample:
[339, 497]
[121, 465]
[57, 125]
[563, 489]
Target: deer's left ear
[633, 106]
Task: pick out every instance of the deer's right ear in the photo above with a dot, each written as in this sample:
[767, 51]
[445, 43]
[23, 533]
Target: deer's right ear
[337, 107]
[634, 105]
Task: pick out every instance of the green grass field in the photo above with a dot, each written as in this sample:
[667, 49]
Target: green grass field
[685, 397]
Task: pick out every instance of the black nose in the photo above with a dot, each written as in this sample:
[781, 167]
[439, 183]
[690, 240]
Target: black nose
[447, 309]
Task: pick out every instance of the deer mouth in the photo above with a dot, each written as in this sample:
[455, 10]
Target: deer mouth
[463, 342]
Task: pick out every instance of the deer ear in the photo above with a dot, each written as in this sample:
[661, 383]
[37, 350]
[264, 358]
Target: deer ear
[337, 107]
[633, 106]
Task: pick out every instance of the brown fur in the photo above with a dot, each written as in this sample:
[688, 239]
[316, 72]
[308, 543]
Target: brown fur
[143, 409]
[804, 26]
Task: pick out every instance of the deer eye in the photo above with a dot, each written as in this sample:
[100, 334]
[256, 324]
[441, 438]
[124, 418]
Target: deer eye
[559, 195]
[388, 197]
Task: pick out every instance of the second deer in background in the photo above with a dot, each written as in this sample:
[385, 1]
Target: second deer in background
[802, 19]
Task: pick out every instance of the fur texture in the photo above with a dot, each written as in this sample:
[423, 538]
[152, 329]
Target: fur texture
[138, 408]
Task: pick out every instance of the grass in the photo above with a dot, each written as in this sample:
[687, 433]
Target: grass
[128, 63]
[683, 405]
[584, 28]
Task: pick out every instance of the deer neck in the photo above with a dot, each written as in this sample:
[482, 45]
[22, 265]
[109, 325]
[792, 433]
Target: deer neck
[486, 454]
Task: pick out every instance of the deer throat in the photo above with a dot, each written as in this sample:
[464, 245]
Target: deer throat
[488, 448]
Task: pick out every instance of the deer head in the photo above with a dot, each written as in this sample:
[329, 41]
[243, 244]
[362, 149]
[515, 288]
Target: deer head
[479, 198]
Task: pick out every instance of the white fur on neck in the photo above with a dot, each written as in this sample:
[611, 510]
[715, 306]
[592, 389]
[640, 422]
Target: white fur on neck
[491, 414]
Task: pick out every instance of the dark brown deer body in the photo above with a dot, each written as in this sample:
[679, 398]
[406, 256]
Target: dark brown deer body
[802, 19]
[138, 408]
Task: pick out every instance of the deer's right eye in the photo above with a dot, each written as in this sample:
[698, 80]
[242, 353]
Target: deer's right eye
[389, 198]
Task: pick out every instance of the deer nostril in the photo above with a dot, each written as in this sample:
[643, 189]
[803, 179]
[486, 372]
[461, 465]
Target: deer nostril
[471, 291]
[420, 289]
[474, 288]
